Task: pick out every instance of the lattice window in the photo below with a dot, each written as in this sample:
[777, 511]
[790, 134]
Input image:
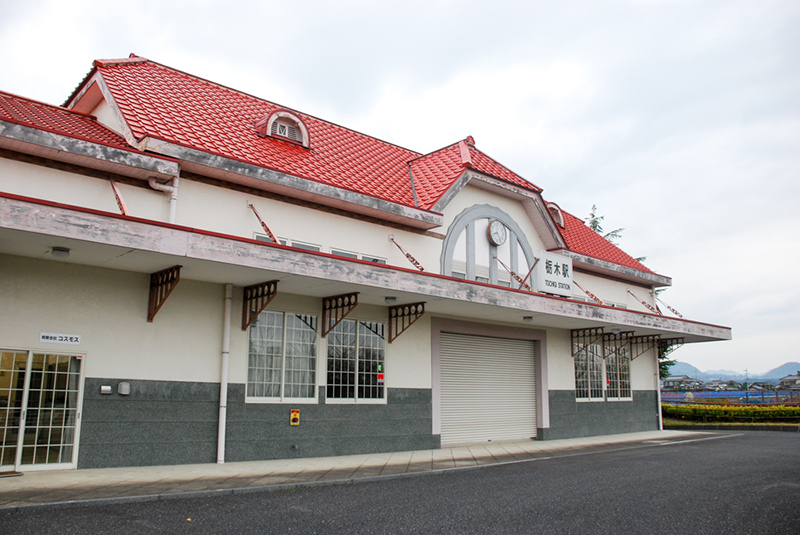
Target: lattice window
[282, 359]
[356, 360]
[617, 353]
[588, 355]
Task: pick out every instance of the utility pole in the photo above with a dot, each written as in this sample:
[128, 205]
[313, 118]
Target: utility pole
[746, 386]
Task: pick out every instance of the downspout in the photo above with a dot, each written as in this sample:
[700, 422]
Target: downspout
[223, 380]
[658, 392]
[173, 194]
[658, 379]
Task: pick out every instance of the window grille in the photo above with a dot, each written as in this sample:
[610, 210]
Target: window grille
[282, 359]
[356, 361]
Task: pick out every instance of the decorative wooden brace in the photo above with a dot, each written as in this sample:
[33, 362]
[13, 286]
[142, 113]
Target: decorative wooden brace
[583, 338]
[335, 309]
[161, 285]
[613, 343]
[668, 345]
[263, 224]
[640, 344]
[255, 300]
[401, 317]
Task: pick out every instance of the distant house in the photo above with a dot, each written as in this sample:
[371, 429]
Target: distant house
[681, 382]
[789, 382]
[716, 385]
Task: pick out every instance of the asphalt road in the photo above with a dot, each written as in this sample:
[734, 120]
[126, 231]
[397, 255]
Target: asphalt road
[744, 483]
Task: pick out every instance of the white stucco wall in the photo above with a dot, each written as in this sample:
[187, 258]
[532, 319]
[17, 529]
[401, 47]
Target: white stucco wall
[108, 309]
[612, 291]
[560, 367]
[226, 211]
[59, 186]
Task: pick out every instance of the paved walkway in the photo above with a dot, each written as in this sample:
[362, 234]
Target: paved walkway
[104, 485]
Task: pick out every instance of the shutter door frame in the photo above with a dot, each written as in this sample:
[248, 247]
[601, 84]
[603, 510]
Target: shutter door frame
[488, 388]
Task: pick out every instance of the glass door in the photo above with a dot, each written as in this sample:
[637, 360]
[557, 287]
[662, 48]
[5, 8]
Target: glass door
[39, 400]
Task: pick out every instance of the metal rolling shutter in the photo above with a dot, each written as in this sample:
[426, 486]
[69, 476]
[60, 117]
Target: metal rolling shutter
[488, 389]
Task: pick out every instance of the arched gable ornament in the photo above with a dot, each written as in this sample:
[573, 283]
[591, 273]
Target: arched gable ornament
[284, 125]
[473, 213]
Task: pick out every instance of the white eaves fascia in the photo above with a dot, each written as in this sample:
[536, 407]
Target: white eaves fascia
[60, 147]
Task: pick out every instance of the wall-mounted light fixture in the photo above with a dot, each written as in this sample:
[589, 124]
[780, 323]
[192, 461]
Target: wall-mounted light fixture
[59, 252]
[390, 300]
[527, 319]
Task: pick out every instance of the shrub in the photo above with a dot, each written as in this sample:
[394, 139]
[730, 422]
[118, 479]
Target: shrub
[733, 413]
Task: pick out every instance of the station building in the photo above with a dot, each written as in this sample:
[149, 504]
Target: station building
[191, 274]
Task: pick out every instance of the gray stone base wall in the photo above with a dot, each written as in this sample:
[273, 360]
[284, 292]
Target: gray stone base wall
[570, 419]
[262, 431]
[163, 422]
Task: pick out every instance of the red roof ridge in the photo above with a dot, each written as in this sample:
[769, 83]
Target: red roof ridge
[133, 58]
[466, 160]
[428, 154]
[506, 168]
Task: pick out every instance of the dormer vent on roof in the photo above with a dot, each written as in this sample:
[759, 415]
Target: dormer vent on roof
[285, 126]
[555, 211]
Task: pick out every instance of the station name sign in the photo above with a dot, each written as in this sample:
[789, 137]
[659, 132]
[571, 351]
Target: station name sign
[553, 274]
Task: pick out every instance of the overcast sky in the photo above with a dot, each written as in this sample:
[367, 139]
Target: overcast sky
[680, 120]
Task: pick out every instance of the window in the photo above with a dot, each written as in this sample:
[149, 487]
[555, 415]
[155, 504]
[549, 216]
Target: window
[618, 374]
[290, 243]
[589, 373]
[373, 259]
[598, 378]
[282, 358]
[356, 354]
[349, 254]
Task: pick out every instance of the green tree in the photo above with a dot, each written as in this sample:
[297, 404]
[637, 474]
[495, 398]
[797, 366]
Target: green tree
[664, 364]
[595, 223]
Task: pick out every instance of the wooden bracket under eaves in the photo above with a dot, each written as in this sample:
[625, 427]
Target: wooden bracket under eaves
[668, 345]
[335, 309]
[401, 317]
[615, 343]
[161, 285]
[640, 344]
[583, 338]
[255, 300]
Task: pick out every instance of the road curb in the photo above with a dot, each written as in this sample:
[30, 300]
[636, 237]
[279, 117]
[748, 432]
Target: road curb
[715, 427]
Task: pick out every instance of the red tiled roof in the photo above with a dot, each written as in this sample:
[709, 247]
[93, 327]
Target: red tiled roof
[583, 240]
[170, 105]
[166, 104]
[435, 172]
[58, 120]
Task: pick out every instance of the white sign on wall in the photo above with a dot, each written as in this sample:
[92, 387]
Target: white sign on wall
[59, 338]
[553, 274]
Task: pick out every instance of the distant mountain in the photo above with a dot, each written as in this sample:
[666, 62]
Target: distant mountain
[682, 368]
[727, 375]
[790, 368]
